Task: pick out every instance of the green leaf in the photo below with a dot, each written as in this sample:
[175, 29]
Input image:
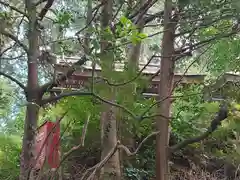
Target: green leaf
[211, 107]
[125, 21]
[142, 35]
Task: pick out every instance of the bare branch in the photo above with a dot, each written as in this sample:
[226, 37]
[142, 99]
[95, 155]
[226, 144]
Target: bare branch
[44, 11]
[155, 115]
[140, 13]
[220, 116]
[12, 58]
[161, 100]
[126, 110]
[81, 93]
[191, 64]
[118, 10]
[14, 80]
[15, 39]
[141, 9]
[205, 42]
[81, 144]
[153, 16]
[44, 88]
[129, 153]
[84, 131]
[203, 24]
[63, 95]
[131, 80]
[175, 84]
[13, 8]
[40, 2]
[97, 8]
[99, 166]
[118, 146]
[145, 8]
[5, 50]
[190, 141]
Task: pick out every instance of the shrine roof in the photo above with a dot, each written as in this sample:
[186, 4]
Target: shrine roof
[150, 69]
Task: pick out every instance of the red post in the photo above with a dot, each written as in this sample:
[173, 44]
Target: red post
[47, 145]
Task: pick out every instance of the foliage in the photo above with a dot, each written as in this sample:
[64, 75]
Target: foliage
[191, 115]
[129, 31]
[187, 123]
[10, 148]
[6, 100]
[15, 125]
[78, 109]
[226, 56]
[134, 174]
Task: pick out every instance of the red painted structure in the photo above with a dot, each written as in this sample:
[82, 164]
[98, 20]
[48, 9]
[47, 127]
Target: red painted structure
[83, 74]
[82, 77]
[47, 145]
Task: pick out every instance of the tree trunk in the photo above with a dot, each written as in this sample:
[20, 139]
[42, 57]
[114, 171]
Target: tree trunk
[165, 88]
[133, 54]
[134, 51]
[88, 23]
[111, 170]
[27, 156]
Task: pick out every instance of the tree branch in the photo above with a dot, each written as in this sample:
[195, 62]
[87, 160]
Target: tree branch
[136, 15]
[204, 42]
[13, 8]
[129, 153]
[141, 9]
[15, 39]
[99, 166]
[151, 17]
[220, 116]
[84, 131]
[44, 11]
[44, 88]
[160, 101]
[148, 5]
[118, 146]
[14, 80]
[155, 115]
[73, 149]
[97, 8]
[40, 2]
[5, 50]
[202, 25]
[81, 144]
[63, 95]
[81, 93]
[132, 79]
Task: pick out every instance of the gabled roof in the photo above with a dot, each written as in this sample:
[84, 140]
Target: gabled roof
[149, 69]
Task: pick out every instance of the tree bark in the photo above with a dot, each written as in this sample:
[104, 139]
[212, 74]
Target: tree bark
[111, 169]
[89, 24]
[165, 89]
[133, 54]
[32, 95]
